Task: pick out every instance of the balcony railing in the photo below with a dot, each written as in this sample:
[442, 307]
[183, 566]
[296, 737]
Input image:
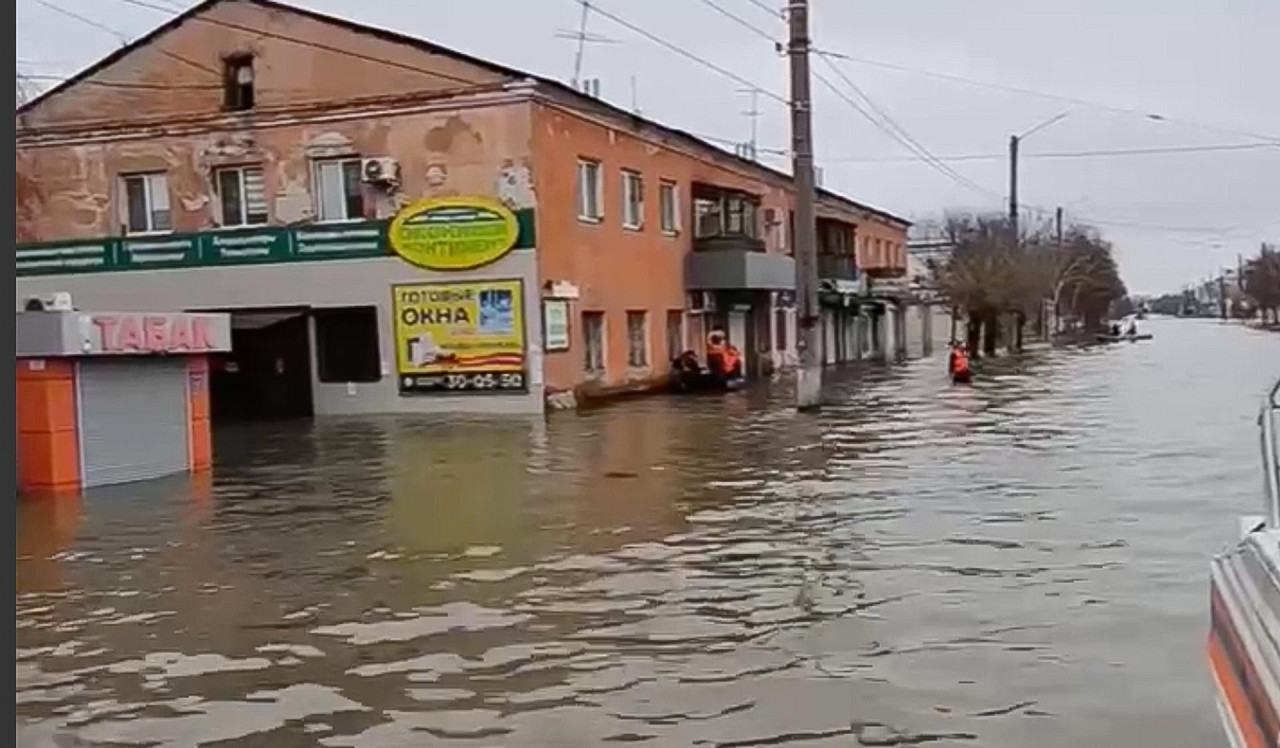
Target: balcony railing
[837, 267]
[720, 242]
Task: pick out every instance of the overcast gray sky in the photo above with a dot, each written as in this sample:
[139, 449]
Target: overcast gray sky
[1210, 69]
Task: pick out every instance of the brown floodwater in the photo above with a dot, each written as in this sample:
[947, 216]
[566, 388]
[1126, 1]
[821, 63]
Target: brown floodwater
[1020, 562]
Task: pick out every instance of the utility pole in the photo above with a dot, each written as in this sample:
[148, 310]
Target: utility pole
[1057, 220]
[1013, 183]
[809, 382]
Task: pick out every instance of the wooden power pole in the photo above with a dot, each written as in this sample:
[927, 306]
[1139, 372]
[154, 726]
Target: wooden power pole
[809, 381]
[1013, 184]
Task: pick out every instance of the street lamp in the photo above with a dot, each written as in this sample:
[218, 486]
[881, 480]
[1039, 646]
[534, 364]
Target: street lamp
[1014, 140]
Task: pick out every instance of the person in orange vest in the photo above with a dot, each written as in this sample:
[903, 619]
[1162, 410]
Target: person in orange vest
[958, 363]
[723, 359]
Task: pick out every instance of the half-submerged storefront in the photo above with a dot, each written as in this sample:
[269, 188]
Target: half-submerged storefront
[435, 311]
[112, 397]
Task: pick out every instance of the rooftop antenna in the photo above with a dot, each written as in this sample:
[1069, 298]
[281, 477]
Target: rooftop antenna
[754, 113]
[581, 36]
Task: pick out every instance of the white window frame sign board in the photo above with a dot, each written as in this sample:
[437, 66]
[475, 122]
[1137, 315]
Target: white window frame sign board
[555, 324]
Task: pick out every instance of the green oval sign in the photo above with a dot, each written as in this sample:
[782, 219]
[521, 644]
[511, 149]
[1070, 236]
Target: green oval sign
[453, 233]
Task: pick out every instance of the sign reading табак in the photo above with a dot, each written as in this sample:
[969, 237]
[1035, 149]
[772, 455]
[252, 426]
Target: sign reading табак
[460, 337]
[454, 233]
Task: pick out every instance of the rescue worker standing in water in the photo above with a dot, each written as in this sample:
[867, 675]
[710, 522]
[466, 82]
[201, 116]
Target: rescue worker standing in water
[723, 359]
[958, 364]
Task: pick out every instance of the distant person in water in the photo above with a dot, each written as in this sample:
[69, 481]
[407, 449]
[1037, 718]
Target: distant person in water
[958, 363]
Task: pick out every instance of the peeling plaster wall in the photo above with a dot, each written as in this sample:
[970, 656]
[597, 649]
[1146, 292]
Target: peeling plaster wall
[74, 192]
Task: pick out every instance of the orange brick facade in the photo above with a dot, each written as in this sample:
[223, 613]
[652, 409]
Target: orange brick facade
[457, 126]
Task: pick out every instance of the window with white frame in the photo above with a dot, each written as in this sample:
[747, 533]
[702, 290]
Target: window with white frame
[637, 339]
[590, 191]
[242, 196]
[145, 208]
[338, 192]
[632, 200]
[675, 334]
[669, 207]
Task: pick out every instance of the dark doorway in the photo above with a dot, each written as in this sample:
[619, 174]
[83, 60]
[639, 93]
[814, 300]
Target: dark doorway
[267, 375]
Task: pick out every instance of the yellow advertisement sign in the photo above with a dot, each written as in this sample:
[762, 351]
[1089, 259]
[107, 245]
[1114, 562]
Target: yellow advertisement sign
[460, 337]
[453, 233]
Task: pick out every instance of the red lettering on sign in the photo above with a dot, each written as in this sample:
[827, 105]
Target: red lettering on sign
[130, 337]
[201, 335]
[180, 334]
[153, 333]
[156, 337]
[106, 330]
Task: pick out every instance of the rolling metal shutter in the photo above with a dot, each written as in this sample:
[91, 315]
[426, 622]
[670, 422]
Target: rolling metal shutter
[133, 419]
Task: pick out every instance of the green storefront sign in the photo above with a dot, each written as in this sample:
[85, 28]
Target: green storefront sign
[311, 243]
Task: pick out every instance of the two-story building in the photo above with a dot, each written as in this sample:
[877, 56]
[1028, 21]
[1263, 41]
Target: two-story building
[248, 157]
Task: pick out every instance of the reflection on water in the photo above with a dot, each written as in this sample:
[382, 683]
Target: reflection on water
[1021, 562]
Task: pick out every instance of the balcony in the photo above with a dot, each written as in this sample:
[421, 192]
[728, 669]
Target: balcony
[837, 267]
[739, 269]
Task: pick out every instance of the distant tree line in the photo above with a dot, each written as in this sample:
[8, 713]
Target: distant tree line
[999, 277]
[1261, 282]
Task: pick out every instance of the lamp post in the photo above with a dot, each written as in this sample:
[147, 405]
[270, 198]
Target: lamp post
[1014, 141]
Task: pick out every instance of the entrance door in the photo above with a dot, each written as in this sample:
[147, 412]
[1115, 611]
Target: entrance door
[738, 330]
[267, 375]
[133, 419]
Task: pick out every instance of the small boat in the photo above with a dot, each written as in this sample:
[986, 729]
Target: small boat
[1123, 338]
[1244, 605]
[687, 375]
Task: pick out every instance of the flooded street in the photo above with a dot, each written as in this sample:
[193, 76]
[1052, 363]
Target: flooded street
[1021, 562]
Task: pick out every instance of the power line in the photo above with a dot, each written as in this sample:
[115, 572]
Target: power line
[896, 131]
[1102, 153]
[775, 12]
[129, 84]
[308, 43]
[885, 123]
[677, 49]
[124, 39]
[1049, 95]
[741, 22]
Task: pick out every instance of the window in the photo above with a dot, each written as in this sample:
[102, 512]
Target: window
[669, 207]
[237, 83]
[590, 191]
[879, 254]
[347, 344]
[338, 194]
[675, 334]
[706, 217]
[146, 204]
[637, 340]
[242, 196]
[780, 327]
[632, 200]
[727, 213]
[593, 335]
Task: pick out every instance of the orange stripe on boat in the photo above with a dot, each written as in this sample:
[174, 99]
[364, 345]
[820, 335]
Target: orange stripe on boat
[1223, 626]
[1234, 696]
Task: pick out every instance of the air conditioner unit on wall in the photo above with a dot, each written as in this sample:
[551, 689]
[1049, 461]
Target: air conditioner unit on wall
[381, 171]
[54, 302]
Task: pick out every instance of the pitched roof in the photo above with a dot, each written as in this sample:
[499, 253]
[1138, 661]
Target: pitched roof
[432, 48]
